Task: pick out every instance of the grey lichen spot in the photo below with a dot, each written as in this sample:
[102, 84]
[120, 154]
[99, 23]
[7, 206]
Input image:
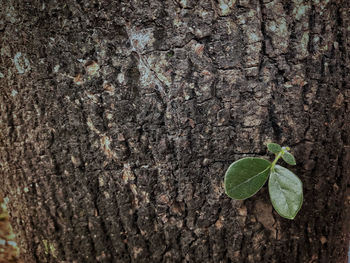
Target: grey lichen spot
[1, 75]
[184, 3]
[12, 243]
[147, 77]
[279, 33]
[14, 93]
[121, 78]
[5, 51]
[146, 74]
[141, 39]
[22, 63]
[6, 200]
[226, 6]
[106, 147]
[300, 10]
[10, 14]
[92, 97]
[159, 65]
[109, 116]
[254, 36]
[56, 68]
[92, 68]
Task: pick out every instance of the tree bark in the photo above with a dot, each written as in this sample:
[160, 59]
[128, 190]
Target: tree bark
[118, 120]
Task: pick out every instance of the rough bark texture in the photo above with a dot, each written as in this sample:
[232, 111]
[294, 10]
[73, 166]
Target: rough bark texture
[118, 120]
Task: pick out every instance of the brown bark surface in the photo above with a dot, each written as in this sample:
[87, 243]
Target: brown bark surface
[9, 251]
[118, 120]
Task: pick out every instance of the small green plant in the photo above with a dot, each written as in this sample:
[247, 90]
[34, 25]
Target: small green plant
[245, 177]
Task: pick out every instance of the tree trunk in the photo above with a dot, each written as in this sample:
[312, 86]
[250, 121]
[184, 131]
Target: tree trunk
[118, 120]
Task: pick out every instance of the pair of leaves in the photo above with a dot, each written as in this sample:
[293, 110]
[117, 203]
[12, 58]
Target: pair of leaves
[245, 177]
[286, 156]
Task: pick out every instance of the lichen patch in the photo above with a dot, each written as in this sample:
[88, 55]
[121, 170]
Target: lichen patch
[56, 68]
[14, 93]
[21, 63]
[92, 126]
[160, 66]
[300, 10]
[121, 78]
[106, 147]
[141, 39]
[225, 7]
[92, 68]
[92, 97]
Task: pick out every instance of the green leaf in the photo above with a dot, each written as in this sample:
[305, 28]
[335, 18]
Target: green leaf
[274, 148]
[245, 177]
[286, 192]
[288, 158]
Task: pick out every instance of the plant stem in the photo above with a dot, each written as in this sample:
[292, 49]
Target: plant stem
[276, 159]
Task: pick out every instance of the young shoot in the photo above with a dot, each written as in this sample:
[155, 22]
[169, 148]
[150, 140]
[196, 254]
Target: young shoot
[245, 177]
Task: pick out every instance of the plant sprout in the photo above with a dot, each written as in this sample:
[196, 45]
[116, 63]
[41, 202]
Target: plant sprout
[245, 177]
